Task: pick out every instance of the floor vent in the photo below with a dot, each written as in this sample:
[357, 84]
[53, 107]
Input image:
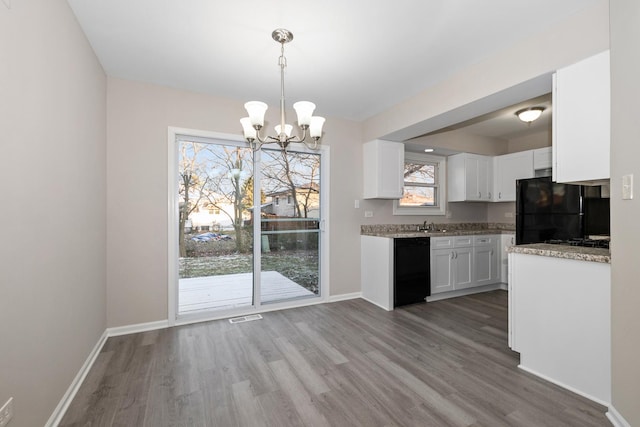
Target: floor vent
[245, 318]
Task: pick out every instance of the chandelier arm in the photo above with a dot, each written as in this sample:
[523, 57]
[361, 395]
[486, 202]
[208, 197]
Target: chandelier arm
[311, 147]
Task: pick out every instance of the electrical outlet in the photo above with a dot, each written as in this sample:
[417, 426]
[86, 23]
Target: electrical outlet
[508, 214]
[367, 214]
[6, 413]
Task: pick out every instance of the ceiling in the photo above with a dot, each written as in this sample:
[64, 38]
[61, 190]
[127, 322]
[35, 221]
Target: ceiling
[354, 59]
[504, 124]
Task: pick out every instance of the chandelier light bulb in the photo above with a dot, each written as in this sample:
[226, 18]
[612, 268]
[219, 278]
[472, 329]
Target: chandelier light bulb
[304, 110]
[287, 130]
[248, 129]
[315, 128]
[256, 110]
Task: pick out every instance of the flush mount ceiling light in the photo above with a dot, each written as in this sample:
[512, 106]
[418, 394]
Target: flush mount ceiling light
[306, 121]
[530, 114]
[428, 150]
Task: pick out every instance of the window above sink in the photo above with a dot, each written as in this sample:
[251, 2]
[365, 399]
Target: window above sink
[424, 186]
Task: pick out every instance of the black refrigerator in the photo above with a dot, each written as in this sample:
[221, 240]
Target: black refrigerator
[546, 210]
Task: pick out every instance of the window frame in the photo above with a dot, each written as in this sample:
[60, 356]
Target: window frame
[440, 184]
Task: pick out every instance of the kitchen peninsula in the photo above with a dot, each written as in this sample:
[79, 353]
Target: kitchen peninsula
[560, 315]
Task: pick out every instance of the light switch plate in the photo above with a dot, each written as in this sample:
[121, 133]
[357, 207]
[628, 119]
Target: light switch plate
[627, 187]
[368, 214]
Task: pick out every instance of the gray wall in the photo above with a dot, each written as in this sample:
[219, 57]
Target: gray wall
[625, 233]
[138, 117]
[52, 221]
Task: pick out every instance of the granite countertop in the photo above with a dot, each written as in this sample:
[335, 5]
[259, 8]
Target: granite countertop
[402, 231]
[563, 251]
[441, 233]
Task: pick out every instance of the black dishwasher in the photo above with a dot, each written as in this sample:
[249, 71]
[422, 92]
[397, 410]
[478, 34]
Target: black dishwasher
[411, 278]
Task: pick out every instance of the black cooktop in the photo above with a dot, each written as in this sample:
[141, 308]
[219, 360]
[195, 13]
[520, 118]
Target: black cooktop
[589, 243]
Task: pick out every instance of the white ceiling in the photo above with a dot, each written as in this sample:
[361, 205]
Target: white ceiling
[504, 124]
[353, 58]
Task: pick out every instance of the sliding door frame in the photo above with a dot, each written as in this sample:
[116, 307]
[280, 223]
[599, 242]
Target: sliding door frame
[172, 234]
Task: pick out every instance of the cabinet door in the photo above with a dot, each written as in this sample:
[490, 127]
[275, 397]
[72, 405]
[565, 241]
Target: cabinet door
[472, 184]
[485, 178]
[383, 169]
[486, 266]
[581, 120]
[542, 158]
[510, 168]
[463, 272]
[441, 270]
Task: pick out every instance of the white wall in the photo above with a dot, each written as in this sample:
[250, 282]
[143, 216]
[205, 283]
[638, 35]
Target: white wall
[625, 233]
[52, 221]
[567, 42]
[530, 142]
[138, 117]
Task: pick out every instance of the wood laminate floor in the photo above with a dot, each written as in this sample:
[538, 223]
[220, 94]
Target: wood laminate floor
[347, 363]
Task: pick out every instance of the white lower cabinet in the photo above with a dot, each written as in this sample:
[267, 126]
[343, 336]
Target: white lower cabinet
[463, 262]
[486, 257]
[442, 266]
[451, 263]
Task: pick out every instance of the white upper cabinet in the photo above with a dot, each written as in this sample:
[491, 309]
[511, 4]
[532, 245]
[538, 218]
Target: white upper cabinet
[542, 158]
[383, 164]
[470, 177]
[581, 120]
[508, 169]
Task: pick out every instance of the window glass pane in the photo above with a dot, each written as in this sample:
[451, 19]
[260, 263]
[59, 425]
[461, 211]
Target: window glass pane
[419, 173]
[418, 196]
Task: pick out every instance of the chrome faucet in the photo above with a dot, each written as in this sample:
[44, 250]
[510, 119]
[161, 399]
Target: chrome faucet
[427, 227]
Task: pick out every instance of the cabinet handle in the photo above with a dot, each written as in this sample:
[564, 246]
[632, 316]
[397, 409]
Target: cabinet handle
[479, 195]
[500, 195]
[489, 194]
[452, 254]
[491, 252]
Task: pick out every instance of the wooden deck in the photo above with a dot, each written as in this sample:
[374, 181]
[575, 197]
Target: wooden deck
[235, 290]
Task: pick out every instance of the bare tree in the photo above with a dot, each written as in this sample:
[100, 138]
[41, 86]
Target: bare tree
[295, 173]
[227, 185]
[193, 180]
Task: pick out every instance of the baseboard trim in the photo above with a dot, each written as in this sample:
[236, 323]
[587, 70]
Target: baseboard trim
[376, 304]
[138, 327]
[565, 386]
[616, 418]
[71, 392]
[344, 297]
[467, 291]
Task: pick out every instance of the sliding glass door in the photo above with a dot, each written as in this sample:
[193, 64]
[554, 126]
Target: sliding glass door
[248, 225]
[290, 225]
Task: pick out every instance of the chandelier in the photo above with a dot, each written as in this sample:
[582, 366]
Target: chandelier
[310, 125]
